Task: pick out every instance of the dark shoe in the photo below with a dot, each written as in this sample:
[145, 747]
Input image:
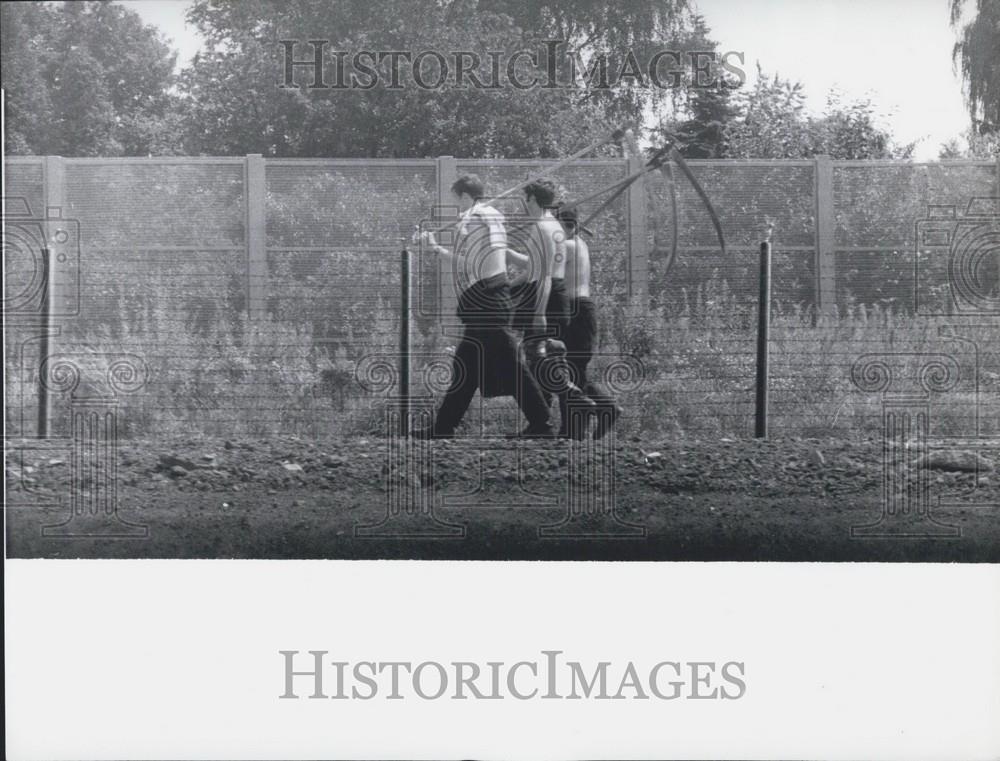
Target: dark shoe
[606, 419]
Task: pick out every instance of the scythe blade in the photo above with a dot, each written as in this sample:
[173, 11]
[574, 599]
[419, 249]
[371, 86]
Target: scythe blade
[676, 156]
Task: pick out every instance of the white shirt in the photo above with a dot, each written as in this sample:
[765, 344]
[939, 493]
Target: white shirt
[481, 213]
[483, 251]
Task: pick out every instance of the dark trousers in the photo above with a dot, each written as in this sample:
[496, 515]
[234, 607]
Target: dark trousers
[581, 337]
[487, 356]
[556, 310]
[553, 373]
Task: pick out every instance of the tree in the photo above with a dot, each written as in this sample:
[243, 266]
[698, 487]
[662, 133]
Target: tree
[849, 130]
[975, 54]
[703, 135]
[978, 146]
[773, 123]
[234, 105]
[28, 100]
[85, 79]
[705, 109]
[615, 34]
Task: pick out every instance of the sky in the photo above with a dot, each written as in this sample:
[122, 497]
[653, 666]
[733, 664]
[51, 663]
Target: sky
[897, 53]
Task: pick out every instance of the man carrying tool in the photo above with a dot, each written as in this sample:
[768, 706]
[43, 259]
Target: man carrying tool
[486, 357]
[581, 334]
[541, 307]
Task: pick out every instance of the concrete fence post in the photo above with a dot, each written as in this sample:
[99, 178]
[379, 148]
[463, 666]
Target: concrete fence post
[826, 270]
[256, 236]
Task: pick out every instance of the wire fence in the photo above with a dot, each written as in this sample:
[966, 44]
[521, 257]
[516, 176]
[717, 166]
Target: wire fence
[261, 297]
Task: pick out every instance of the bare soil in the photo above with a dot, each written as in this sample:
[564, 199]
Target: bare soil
[722, 500]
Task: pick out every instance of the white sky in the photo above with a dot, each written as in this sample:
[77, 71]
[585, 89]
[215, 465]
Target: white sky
[895, 52]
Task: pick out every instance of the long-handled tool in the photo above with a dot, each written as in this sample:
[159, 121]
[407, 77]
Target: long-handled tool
[659, 160]
[615, 136]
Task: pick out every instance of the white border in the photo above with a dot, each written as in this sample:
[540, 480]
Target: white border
[179, 659]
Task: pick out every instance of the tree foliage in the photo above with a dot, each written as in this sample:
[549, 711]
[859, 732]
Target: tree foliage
[773, 123]
[85, 79]
[703, 110]
[597, 29]
[233, 103]
[978, 146]
[89, 78]
[977, 56]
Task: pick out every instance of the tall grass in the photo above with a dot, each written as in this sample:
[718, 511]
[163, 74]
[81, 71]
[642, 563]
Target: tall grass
[238, 377]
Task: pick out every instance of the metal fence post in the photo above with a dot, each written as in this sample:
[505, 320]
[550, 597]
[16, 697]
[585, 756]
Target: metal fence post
[256, 236]
[55, 204]
[638, 260]
[826, 270]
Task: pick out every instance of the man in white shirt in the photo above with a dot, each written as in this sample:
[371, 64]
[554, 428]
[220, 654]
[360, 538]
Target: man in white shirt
[486, 357]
